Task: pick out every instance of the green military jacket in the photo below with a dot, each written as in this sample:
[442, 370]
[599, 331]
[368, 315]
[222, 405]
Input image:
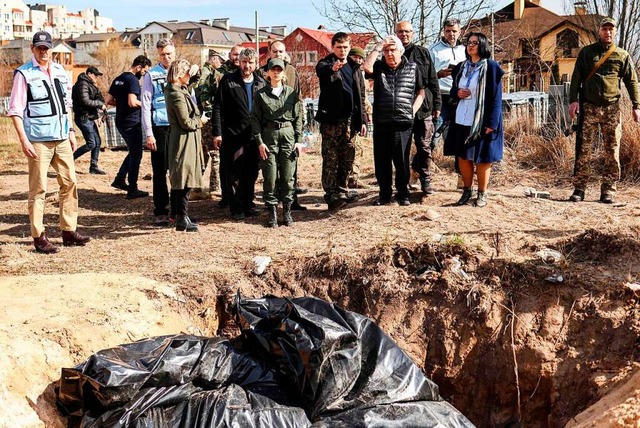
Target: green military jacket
[208, 84]
[269, 108]
[203, 89]
[603, 88]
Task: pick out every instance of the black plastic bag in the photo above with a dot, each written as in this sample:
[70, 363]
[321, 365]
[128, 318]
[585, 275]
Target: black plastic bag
[299, 362]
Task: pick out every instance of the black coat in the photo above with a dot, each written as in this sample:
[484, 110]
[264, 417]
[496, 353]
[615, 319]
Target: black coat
[432, 100]
[87, 99]
[231, 114]
[332, 92]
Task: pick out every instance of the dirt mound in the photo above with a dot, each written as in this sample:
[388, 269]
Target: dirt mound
[55, 321]
[505, 345]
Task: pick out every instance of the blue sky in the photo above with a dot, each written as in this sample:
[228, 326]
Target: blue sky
[294, 13]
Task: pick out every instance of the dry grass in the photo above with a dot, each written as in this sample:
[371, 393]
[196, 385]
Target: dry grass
[549, 150]
[9, 147]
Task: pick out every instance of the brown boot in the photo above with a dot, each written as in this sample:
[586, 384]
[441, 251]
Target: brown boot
[43, 245]
[74, 238]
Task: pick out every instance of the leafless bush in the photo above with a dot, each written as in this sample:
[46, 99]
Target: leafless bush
[546, 149]
[630, 145]
[549, 149]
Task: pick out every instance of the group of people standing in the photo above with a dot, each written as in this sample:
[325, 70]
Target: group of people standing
[242, 118]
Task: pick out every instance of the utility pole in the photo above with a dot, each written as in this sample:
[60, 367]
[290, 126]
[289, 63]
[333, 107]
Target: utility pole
[257, 38]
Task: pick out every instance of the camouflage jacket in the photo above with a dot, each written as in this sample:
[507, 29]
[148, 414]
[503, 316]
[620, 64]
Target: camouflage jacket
[203, 91]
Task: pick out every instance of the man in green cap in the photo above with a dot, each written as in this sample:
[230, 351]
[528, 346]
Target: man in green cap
[595, 97]
[358, 55]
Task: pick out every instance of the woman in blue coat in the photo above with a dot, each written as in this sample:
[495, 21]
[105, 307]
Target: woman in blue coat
[476, 134]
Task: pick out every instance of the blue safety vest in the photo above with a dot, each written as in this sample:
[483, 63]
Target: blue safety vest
[45, 116]
[158, 105]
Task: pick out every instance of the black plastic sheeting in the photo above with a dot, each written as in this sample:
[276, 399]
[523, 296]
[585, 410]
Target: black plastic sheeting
[298, 363]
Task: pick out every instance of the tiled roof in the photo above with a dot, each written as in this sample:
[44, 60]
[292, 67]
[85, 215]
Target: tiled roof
[536, 21]
[324, 37]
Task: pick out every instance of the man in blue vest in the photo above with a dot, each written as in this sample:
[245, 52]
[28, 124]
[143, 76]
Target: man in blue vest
[40, 109]
[155, 127]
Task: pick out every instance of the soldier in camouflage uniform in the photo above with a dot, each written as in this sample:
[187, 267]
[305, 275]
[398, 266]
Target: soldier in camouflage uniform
[596, 97]
[358, 55]
[205, 91]
[341, 116]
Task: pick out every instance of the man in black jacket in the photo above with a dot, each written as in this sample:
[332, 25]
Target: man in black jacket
[231, 127]
[423, 124]
[398, 93]
[341, 115]
[87, 102]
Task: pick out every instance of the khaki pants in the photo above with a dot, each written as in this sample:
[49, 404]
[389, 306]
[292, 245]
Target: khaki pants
[59, 155]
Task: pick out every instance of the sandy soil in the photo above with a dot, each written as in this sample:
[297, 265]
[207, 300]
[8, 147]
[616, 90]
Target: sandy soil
[572, 342]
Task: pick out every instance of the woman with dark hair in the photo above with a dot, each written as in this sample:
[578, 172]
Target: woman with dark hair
[476, 134]
[185, 157]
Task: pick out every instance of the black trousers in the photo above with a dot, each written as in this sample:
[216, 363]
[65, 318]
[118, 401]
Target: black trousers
[180, 201]
[159, 167]
[391, 148]
[242, 166]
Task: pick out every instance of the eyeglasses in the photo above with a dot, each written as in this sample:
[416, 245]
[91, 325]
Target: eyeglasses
[474, 43]
[404, 31]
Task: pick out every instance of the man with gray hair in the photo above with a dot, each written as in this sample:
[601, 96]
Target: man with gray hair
[398, 94]
[155, 127]
[232, 107]
[423, 123]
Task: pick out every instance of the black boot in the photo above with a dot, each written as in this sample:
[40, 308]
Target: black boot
[273, 216]
[183, 224]
[286, 214]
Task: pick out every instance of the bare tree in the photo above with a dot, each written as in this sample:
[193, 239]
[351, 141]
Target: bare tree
[380, 16]
[115, 58]
[627, 13]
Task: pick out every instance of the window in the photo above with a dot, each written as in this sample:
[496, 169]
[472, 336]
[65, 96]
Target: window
[312, 57]
[567, 42]
[226, 36]
[298, 58]
[530, 47]
[189, 35]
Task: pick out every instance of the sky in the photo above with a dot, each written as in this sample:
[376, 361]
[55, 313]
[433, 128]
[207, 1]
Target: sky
[293, 13]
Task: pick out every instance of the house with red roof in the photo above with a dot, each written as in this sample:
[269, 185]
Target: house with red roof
[306, 47]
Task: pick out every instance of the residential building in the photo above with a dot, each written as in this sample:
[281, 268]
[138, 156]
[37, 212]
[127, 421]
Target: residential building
[535, 46]
[20, 21]
[306, 47]
[203, 37]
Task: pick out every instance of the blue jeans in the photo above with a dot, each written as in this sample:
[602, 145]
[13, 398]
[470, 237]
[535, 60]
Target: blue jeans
[91, 137]
[131, 163]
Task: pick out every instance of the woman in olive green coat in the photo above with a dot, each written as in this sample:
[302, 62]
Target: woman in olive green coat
[185, 158]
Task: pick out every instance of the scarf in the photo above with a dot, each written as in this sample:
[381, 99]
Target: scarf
[478, 111]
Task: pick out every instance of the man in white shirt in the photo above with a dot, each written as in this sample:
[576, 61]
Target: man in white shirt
[445, 53]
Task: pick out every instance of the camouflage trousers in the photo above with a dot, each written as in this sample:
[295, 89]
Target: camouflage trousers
[604, 121]
[354, 174]
[213, 155]
[338, 152]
